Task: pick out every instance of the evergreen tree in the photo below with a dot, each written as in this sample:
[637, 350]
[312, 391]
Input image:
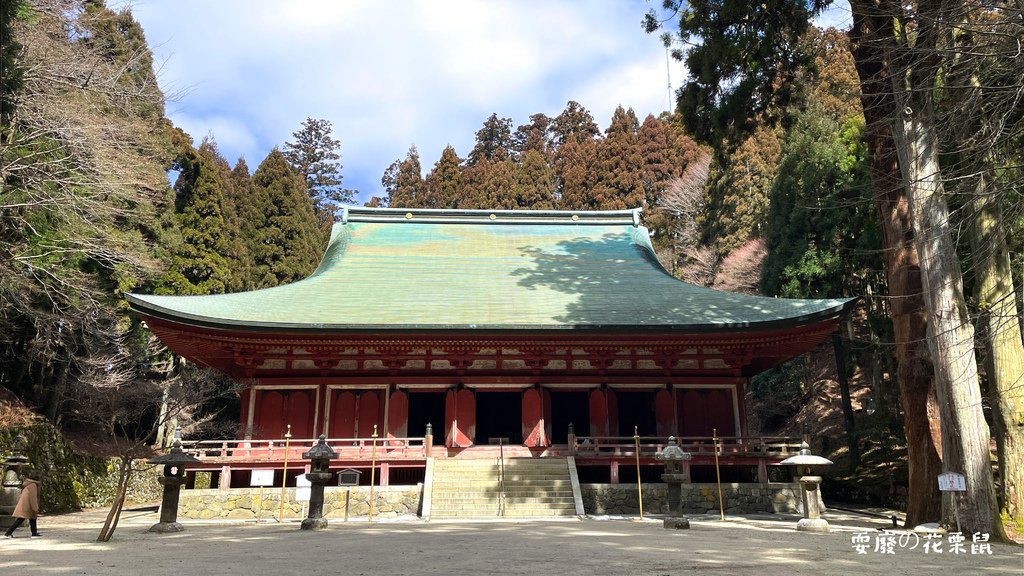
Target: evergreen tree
[290, 240]
[314, 154]
[620, 166]
[403, 182]
[574, 124]
[248, 201]
[574, 167]
[738, 195]
[535, 181]
[120, 40]
[536, 135]
[199, 264]
[444, 183]
[493, 141]
[814, 249]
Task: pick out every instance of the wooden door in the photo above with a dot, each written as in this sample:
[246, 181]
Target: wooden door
[664, 414]
[342, 422]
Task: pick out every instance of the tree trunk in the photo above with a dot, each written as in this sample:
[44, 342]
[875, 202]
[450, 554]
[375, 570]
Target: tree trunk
[1005, 358]
[110, 524]
[903, 276]
[844, 393]
[965, 435]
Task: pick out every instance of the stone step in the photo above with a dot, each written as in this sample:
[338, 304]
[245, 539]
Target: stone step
[491, 481]
[471, 499]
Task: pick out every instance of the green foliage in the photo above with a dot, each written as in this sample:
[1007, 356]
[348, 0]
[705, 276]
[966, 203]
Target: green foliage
[742, 57]
[200, 262]
[822, 228]
[314, 154]
[290, 239]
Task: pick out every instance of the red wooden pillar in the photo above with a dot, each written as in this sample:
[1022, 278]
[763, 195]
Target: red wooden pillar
[385, 470]
[243, 418]
[664, 413]
[614, 472]
[398, 416]
[459, 418]
[546, 411]
[598, 413]
[533, 419]
[613, 412]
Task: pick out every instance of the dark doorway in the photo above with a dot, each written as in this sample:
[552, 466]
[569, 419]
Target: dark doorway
[569, 407]
[499, 415]
[427, 407]
[636, 409]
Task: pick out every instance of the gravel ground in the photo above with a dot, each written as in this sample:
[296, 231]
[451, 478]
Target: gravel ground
[762, 545]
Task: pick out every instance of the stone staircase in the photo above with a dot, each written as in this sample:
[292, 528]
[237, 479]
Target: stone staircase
[533, 488]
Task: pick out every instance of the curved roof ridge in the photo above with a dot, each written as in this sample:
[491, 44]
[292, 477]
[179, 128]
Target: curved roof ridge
[473, 216]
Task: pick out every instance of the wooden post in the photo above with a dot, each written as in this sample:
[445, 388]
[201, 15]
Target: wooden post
[639, 486]
[718, 476]
[284, 473]
[373, 468]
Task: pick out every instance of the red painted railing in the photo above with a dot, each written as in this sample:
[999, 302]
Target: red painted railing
[274, 450]
[728, 446]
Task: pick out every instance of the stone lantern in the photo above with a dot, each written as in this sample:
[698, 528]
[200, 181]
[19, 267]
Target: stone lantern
[174, 463]
[11, 489]
[675, 475]
[803, 462]
[319, 456]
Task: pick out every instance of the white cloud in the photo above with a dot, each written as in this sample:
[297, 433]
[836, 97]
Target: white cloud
[389, 74]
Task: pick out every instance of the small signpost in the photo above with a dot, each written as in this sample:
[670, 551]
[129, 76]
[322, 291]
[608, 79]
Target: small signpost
[261, 478]
[953, 482]
[348, 478]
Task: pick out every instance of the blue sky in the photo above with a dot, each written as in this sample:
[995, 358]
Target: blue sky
[388, 74]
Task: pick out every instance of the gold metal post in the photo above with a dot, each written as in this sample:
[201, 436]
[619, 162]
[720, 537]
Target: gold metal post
[373, 469]
[718, 476]
[639, 486]
[284, 475]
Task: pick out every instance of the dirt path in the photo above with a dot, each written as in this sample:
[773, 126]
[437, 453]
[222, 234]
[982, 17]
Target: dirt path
[764, 546]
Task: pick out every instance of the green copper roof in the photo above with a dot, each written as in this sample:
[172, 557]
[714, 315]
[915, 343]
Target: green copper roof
[502, 270]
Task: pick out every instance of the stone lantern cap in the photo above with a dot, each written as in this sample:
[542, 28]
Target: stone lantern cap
[672, 451]
[320, 451]
[805, 458]
[176, 457]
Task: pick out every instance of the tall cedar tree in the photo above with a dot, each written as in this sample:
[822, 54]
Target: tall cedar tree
[119, 39]
[742, 57]
[444, 183]
[403, 182]
[738, 194]
[619, 169]
[291, 239]
[248, 202]
[536, 135]
[574, 124]
[314, 154]
[574, 162]
[535, 180]
[493, 141]
[200, 263]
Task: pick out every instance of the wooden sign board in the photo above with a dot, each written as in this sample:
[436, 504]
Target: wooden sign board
[348, 477]
[952, 482]
[262, 478]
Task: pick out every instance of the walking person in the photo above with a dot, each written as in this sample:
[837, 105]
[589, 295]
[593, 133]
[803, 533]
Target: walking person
[28, 505]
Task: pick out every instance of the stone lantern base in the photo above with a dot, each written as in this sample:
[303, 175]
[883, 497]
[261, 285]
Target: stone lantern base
[314, 524]
[166, 527]
[813, 525]
[678, 523]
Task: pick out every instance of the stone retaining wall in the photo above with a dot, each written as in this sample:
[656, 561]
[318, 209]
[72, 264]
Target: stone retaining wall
[697, 498]
[248, 504]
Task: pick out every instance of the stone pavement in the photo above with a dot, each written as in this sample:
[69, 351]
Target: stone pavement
[761, 545]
